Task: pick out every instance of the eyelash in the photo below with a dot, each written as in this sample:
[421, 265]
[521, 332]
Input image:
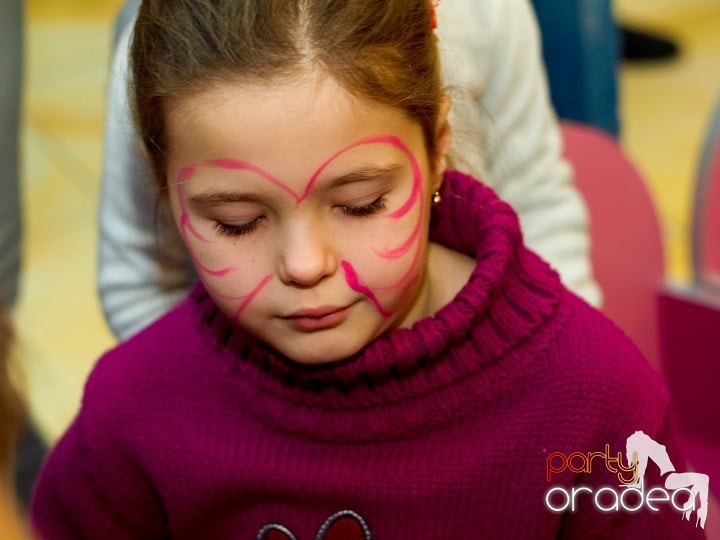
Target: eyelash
[237, 230]
[378, 205]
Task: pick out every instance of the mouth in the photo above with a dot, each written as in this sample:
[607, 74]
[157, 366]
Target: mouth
[319, 318]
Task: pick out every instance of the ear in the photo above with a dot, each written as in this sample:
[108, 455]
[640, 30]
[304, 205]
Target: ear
[443, 138]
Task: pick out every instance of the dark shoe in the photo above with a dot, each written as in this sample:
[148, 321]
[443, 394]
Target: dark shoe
[639, 46]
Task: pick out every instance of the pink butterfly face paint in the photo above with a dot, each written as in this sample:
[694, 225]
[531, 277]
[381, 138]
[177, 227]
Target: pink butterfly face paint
[312, 234]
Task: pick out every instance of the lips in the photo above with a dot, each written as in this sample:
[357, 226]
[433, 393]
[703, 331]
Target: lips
[319, 318]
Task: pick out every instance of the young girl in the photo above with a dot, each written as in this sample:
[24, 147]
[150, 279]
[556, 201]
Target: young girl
[370, 351]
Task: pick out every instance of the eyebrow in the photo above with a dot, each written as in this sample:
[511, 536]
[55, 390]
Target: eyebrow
[217, 198]
[363, 174]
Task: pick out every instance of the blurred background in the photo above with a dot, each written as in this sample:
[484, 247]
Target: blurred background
[665, 111]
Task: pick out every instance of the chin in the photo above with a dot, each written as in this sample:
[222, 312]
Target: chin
[318, 352]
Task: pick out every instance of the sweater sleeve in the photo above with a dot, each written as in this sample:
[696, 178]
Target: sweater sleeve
[91, 485]
[506, 132]
[137, 280]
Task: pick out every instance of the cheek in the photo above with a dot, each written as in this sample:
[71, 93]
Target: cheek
[209, 254]
[214, 254]
[235, 293]
[239, 279]
[384, 251]
[386, 264]
[231, 276]
[385, 260]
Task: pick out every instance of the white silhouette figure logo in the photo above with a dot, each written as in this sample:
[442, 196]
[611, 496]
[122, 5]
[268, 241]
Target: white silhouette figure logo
[640, 447]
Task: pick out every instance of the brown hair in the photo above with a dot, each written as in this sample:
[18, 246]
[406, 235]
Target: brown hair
[11, 409]
[381, 50]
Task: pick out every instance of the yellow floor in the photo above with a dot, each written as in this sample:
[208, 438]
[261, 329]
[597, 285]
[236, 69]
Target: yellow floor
[62, 332]
[666, 109]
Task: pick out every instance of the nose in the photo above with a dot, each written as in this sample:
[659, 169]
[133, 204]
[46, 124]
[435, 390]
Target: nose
[307, 254]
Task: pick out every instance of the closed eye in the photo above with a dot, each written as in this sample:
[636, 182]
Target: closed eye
[229, 229]
[378, 205]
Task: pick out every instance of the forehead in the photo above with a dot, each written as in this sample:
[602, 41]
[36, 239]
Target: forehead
[286, 126]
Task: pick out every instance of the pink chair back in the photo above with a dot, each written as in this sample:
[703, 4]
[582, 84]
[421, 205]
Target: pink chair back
[627, 250]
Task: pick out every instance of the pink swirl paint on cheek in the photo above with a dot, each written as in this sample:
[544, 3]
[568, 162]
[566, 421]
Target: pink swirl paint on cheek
[186, 227]
[409, 277]
[186, 173]
[415, 199]
[403, 248]
[354, 282]
[251, 295]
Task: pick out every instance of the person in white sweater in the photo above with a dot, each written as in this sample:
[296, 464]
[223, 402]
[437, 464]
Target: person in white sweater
[505, 132]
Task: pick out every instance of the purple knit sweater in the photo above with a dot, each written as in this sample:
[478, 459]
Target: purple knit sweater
[195, 430]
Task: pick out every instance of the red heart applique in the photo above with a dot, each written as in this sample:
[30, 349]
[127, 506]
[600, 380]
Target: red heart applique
[344, 525]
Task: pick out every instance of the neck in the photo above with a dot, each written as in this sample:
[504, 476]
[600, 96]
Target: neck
[446, 272]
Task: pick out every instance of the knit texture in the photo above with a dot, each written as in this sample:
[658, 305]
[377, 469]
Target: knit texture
[194, 429]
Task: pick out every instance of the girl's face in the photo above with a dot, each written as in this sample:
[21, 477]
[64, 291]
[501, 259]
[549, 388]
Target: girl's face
[305, 211]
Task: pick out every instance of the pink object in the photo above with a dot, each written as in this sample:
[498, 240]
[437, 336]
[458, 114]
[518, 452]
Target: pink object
[627, 250]
[355, 284]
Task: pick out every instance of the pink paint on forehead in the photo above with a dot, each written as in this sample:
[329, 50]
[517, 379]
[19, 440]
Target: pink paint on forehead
[233, 164]
[239, 165]
[392, 140]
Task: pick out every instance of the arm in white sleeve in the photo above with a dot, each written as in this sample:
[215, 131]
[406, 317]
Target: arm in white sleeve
[143, 267]
[506, 132]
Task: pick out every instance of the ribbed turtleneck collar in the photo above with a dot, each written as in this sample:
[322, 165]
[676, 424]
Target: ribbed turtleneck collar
[508, 297]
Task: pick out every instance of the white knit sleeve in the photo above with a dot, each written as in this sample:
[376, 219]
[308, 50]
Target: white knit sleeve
[506, 132]
[143, 267]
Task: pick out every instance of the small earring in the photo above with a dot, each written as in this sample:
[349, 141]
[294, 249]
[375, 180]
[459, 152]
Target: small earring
[436, 198]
